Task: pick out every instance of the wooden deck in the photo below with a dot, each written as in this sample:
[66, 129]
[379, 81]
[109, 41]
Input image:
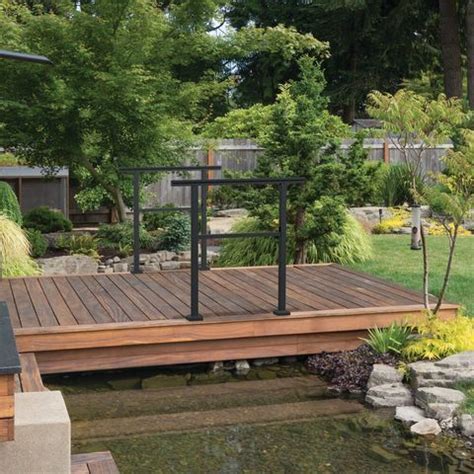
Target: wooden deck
[93, 463]
[99, 322]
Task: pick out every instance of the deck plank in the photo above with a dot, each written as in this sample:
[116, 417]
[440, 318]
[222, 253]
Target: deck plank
[40, 303]
[56, 301]
[23, 304]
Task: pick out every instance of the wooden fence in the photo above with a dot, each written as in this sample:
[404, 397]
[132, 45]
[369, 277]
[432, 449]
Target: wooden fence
[242, 154]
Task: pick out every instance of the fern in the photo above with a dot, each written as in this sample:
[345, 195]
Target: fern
[391, 339]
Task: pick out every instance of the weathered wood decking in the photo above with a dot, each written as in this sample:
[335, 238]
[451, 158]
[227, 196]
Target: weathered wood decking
[123, 320]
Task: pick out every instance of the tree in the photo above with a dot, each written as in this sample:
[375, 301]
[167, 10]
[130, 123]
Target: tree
[450, 48]
[455, 199]
[374, 44]
[470, 51]
[413, 124]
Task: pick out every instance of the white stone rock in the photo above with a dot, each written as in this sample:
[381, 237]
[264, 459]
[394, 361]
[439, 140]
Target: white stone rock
[426, 427]
[217, 367]
[409, 415]
[242, 367]
[383, 374]
[389, 395]
[265, 361]
[120, 267]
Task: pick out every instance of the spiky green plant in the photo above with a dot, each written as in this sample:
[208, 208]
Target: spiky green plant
[393, 338]
[9, 205]
[15, 257]
[354, 246]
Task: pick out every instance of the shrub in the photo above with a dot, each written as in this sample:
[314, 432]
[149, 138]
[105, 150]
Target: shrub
[395, 185]
[15, 257]
[399, 218]
[47, 220]
[348, 370]
[159, 220]
[9, 205]
[177, 233]
[437, 339]
[354, 245]
[120, 236]
[38, 242]
[439, 229]
[83, 244]
[391, 339]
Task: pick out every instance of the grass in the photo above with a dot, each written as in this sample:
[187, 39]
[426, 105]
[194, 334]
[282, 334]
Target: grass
[394, 261]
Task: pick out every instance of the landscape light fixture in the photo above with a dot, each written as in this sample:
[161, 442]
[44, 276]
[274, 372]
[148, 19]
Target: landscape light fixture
[31, 58]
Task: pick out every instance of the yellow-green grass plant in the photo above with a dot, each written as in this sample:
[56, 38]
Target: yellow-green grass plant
[15, 259]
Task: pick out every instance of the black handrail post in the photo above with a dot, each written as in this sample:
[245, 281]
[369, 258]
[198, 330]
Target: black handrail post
[136, 222]
[282, 311]
[194, 316]
[204, 192]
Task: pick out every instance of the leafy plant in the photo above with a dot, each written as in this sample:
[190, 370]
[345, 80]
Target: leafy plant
[353, 245]
[468, 389]
[15, 257]
[47, 220]
[9, 205]
[177, 233]
[121, 236]
[38, 242]
[437, 339]
[440, 229]
[83, 244]
[390, 339]
[159, 220]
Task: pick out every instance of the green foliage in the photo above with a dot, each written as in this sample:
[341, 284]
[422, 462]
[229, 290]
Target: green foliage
[38, 242]
[438, 339]
[46, 220]
[80, 244]
[177, 233]
[353, 245]
[115, 235]
[395, 185]
[240, 123]
[468, 404]
[228, 197]
[159, 220]
[393, 338]
[9, 205]
[15, 257]
[9, 159]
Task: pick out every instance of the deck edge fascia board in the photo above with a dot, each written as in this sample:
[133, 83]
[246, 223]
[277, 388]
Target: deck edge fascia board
[146, 333]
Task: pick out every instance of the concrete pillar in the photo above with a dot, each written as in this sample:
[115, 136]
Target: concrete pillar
[42, 441]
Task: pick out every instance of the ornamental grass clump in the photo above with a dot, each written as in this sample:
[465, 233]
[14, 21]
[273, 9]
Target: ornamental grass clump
[15, 257]
[393, 338]
[9, 205]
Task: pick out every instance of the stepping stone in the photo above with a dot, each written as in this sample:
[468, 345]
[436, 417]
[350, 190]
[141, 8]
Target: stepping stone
[383, 374]
[389, 395]
[427, 395]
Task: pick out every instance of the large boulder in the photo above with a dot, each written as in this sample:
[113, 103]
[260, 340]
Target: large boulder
[458, 361]
[389, 395]
[466, 424]
[68, 265]
[441, 411]
[426, 427]
[384, 374]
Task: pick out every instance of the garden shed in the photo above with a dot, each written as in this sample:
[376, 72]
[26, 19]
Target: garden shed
[34, 187]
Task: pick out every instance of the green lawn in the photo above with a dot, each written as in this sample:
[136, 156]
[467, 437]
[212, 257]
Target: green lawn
[394, 261]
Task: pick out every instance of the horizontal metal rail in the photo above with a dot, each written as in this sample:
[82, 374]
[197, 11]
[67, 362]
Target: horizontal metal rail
[202, 237]
[136, 172]
[29, 58]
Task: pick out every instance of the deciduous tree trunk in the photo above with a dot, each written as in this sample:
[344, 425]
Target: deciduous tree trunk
[470, 51]
[450, 48]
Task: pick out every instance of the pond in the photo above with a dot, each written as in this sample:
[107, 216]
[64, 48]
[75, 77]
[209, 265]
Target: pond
[274, 419]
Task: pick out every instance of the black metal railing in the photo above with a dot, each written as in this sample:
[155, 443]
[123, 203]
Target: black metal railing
[202, 237]
[9, 358]
[136, 172]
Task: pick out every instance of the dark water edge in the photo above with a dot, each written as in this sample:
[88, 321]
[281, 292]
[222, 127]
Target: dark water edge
[365, 441]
